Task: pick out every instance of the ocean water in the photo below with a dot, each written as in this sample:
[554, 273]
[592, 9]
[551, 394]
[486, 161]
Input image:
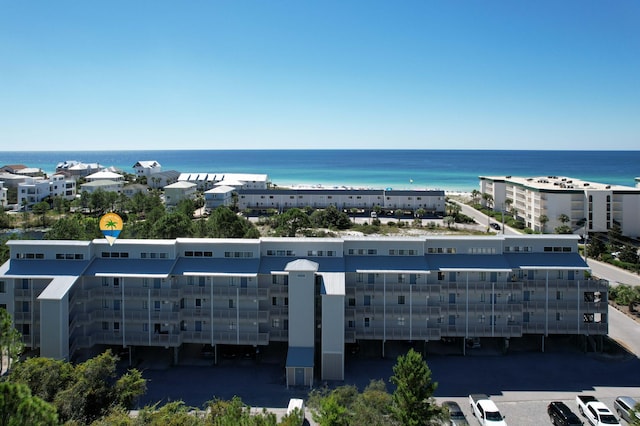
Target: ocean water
[451, 170]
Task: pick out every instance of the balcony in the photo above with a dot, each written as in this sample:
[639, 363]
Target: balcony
[243, 338]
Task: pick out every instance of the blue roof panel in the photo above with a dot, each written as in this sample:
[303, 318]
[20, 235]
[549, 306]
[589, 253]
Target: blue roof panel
[299, 357]
[468, 262]
[46, 267]
[386, 263]
[546, 260]
[216, 265]
[325, 264]
[102, 266]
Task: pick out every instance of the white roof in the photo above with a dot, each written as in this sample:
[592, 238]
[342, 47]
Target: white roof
[333, 283]
[104, 175]
[181, 184]
[101, 182]
[223, 189]
[147, 164]
[230, 182]
[301, 265]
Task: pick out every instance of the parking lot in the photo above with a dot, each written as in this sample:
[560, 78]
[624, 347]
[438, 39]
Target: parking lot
[521, 382]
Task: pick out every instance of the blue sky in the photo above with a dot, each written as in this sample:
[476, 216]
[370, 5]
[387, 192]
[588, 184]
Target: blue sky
[542, 74]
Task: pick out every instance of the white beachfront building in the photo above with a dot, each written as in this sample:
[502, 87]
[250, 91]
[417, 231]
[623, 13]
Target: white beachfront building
[590, 206]
[432, 201]
[315, 295]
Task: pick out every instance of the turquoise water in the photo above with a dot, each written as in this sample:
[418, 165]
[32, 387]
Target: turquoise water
[452, 170]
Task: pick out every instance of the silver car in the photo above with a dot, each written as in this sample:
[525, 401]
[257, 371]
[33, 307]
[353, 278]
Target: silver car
[456, 416]
[624, 406]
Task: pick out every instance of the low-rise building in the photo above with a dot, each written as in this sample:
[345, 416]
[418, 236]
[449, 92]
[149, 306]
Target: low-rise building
[147, 168]
[206, 181]
[219, 196]
[179, 191]
[3, 195]
[60, 186]
[106, 185]
[588, 206]
[431, 201]
[317, 295]
[105, 175]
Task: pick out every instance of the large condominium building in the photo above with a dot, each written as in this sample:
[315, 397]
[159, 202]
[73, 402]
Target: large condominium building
[315, 294]
[589, 206]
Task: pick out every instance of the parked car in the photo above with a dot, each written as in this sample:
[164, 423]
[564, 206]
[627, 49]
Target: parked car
[456, 416]
[595, 411]
[561, 415]
[495, 226]
[624, 406]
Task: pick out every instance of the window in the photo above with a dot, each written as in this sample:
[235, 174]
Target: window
[559, 295]
[198, 303]
[105, 325]
[116, 326]
[352, 301]
[367, 322]
[440, 276]
[274, 301]
[198, 325]
[145, 304]
[401, 299]
[452, 320]
[588, 318]
[116, 304]
[156, 305]
[367, 300]
[559, 316]
[401, 321]
[286, 301]
[105, 304]
[3, 288]
[232, 304]
[275, 323]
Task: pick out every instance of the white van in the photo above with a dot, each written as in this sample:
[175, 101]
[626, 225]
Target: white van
[296, 403]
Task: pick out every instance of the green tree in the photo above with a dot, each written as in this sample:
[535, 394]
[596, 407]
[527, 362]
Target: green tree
[628, 254]
[95, 389]
[10, 341]
[172, 225]
[413, 402]
[41, 209]
[5, 219]
[373, 406]
[595, 247]
[76, 227]
[330, 412]
[291, 221]
[224, 223]
[615, 237]
[44, 376]
[18, 407]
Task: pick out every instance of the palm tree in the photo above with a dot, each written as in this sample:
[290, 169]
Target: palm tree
[543, 221]
[488, 199]
[475, 194]
[563, 218]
